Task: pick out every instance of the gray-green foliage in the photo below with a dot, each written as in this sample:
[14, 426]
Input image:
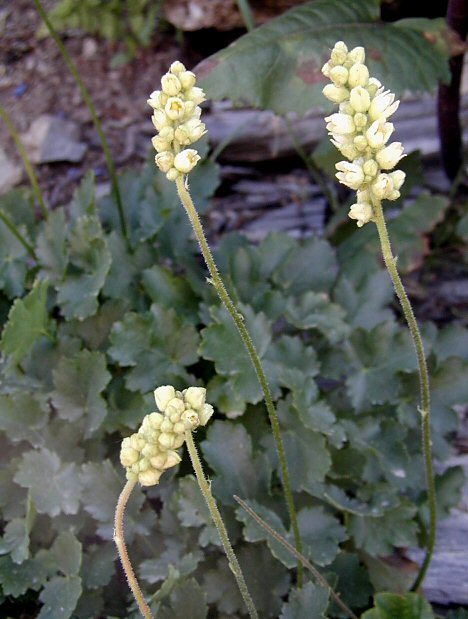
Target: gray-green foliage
[98, 327]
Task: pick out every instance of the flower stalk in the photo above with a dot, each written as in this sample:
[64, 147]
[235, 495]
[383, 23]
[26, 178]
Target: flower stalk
[360, 131]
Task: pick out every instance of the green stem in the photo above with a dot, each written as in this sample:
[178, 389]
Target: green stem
[219, 523]
[119, 539]
[27, 164]
[290, 548]
[17, 234]
[240, 324]
[247, 15]
[92, 110]
[425, 408]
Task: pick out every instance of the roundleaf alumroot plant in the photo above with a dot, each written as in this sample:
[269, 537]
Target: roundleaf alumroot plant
[176, 117]
[360, 131]
[151, 451]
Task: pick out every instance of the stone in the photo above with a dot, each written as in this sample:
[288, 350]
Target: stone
[10, 173]
[51, 139]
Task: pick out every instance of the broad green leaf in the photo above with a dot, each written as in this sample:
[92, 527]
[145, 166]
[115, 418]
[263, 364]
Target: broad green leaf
[158, 345]
[315, 311]
[66, 554]
[98, 565]
[51, 246]
[449, 490]
[352, 582]
[23, 417]
[54, 486]
[84, 197]
[186, 601]
[309, 602]
[13, 261]
[392, 605]
[377, 357]
[451, 341]
[89, 263]
[15, 541]
[170, 290]
[16, 579]
[228, 450]
[27, 322]
[59, 597]
[288, 362]
[95, 330]
[78, 384]
[193, 511]
[277, 66]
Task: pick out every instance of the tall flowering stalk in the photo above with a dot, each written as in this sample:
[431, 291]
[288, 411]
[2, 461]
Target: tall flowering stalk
[151, 451]
[361, 130]
[176, 117]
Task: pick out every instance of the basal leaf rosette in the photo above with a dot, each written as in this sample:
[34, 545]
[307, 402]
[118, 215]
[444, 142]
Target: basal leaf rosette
[152, 450]
[360, 130]
[176, 117]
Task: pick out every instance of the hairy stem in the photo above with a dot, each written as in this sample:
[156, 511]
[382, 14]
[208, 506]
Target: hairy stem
[289, 547]
[425, 406]
[220, 526]
[119, 539]
[27, 164]
[245, 335]
[97, 123]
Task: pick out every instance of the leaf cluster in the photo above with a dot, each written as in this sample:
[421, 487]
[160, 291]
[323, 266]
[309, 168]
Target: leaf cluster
[92, 326]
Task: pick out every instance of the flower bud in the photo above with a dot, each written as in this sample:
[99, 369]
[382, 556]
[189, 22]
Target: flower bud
[389, 156]
[149, 477]
[373, 86]
[205, 414]
[170, 85]
[326, 69]
[339, 76]
[360, 143]
[360, 99]
[382, 186]
[370, 168]
[186, 160]
[187, 79]
[190, 131]
[357, 55]
[335, 94]
[179, 428]
[195, 94]
[160, 119]
[173, 174]
[166, 426]
[190, 419]
[166, 440]
[362, 212]
[177, 67]
[195, 397]
[178, 441]
[358, 75]
[350, 174]
[339, 53]
[160, 144]
[163, 395]
[164, 161]
[176, 405]
[172, 459]
[128, 456]
[398, 178]
[174, 108]
[155, 99]
[360, 120]
[340, 124]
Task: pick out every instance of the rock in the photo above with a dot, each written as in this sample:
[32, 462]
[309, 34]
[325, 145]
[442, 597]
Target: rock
[10, 173]
[89, 48]
[50, 139]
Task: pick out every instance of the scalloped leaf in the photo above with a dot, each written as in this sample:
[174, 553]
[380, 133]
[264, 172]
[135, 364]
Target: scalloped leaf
[390, 605]
[277, 66]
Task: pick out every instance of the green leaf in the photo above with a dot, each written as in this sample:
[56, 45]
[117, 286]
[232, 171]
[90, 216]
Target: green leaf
[277, 66]
[449, 490]
[15, 541]
[27, 322]
[84, 197]
[309, 602]
[78, 384]
[59, 597]
[98, 565]
[90, 260]
[377, 357]
[23, 417]
[315, 311]
[353, 583]
[391, 605]
[170, 290]
[228, 450]
[13, 262]
[17, 579]
[186, 601]
[451, 341]
[54, 486]
[192, 511]
[51, 246]
[157, 345]
[66, 554]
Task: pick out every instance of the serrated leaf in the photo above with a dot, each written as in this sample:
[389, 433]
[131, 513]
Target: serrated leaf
[66, 553]
[309, 602]
[78, 384]
[89, 263]
[15, 541]
[193, 511]
[54, 486]
[186, 601]
[84, 197]
[27, 322]
[13, 262]
[157, 345]
[449, 490]
[353, 583]
[59, 597]
[51, 246]
[17, 579]
[377, 357]
[98, 565]
[170, 290]
[23, 417]
[228, 450]
[451, 341]
[316, 311]
[391, 605]
[277, 66]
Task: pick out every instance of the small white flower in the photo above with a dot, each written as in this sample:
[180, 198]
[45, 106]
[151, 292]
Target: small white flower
[357, 55]
[190, 131]
[160, 144]
[171, 85]
[177, 67]
[339, 75]
[186, 160]
[382, 186]
[163, 395]
[362, 212]
[350, 174]
[164, 161]
[370, 168]
[389, 156]
[398, 178]
[173, 174]
[187, 79]
[191, 419]
[360, 143]
[339, 53]
[383, 105]
[160, 120]
[326, 69]
[128, 455]
[340, 124]
[358, 75]
[155, 99]
[195, 397]
[174, 108]
[195, 94]
[149, 477]
[360, 99]
[205, 414]
[335, 94]
[172, 459]
[378, 133]
[360, 120]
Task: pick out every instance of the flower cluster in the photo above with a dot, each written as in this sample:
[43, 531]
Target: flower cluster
[150, 451]
[176, 117]
[360, 131]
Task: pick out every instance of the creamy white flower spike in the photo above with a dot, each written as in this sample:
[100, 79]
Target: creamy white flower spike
[360, 130]
[176, 117]
[151, 451]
